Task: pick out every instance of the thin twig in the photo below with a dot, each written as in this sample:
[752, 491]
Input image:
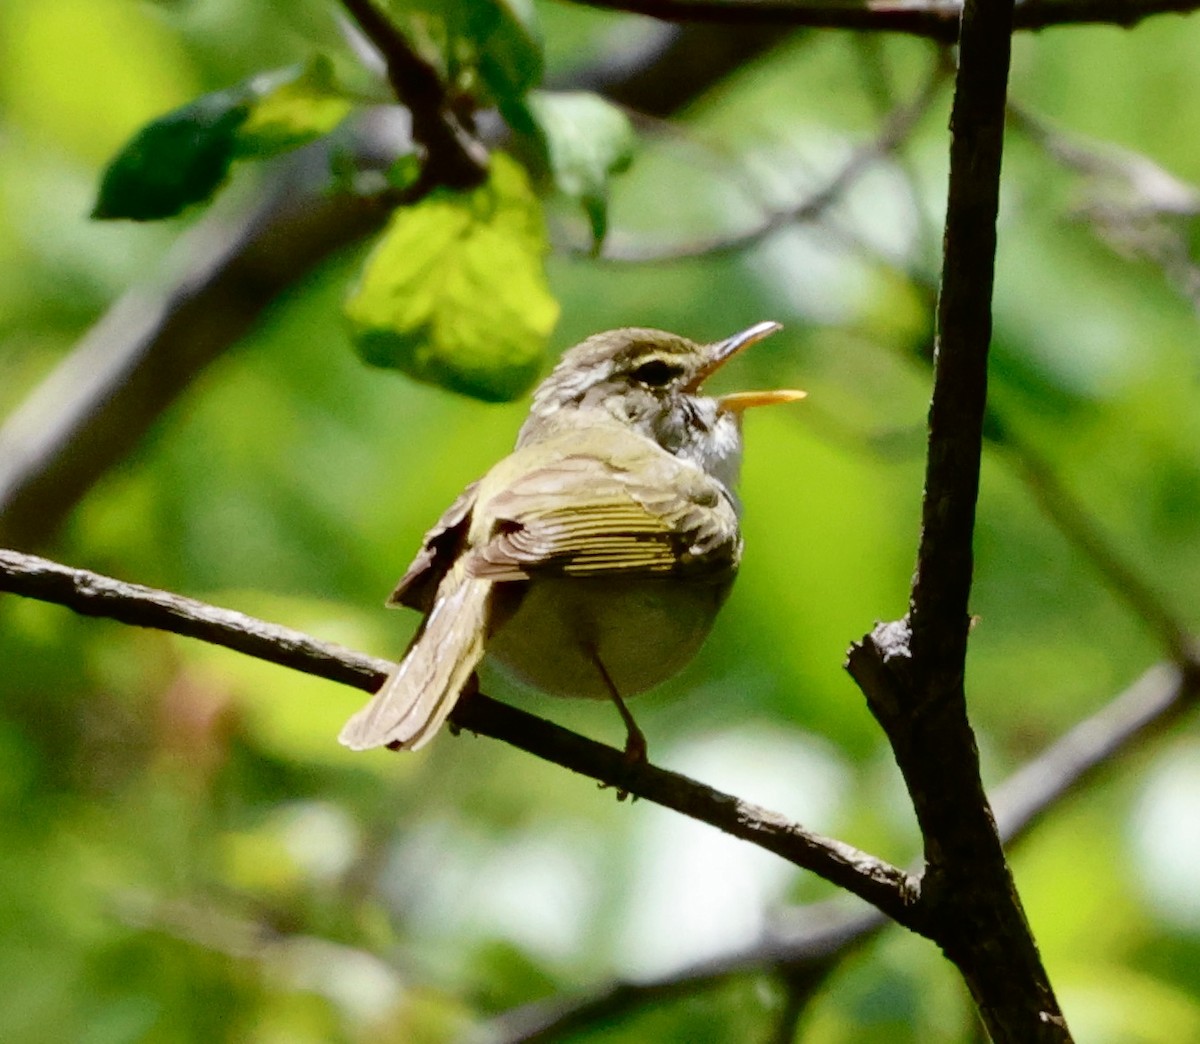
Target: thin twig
[869, 878]
[896, 127]
[936, 19]
[1065, 511]
[141, 356]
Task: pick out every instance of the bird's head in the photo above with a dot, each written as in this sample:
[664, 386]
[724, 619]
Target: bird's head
[653, 381]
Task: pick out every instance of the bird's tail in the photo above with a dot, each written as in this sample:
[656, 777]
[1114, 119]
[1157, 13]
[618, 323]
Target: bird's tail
[414, 701]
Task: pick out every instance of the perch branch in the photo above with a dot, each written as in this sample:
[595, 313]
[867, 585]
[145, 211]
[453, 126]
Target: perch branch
[874, 880]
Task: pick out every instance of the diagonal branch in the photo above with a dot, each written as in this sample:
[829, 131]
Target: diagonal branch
[872, 879]
[454, 155]
[1072, 520]
[897, 125]
[813, 940]
[92, 409]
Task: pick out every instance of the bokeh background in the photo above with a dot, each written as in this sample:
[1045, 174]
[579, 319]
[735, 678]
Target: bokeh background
[185, 851]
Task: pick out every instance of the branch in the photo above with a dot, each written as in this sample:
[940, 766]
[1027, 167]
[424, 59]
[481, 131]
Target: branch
[1133, 205]
[810, 942]
[454, 155]
[1073, 521]
[911, 671]
[100, 400]
[804, 948]
[91, 594]
[935, 19]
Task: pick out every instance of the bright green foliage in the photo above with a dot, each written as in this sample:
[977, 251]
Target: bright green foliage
[455, 291]
[184, 157]
[292, 108]
[186, 853]
[587, 140]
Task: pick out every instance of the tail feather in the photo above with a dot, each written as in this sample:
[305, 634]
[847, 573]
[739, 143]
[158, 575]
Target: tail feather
[414, 701]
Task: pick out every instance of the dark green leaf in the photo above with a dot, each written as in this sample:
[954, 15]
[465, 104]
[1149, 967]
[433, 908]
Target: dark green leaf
[455, 291]
[510, 59]
[184, 157]
[179, 159]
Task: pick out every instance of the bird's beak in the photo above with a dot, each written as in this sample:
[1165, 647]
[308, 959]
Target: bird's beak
[739, 401]
[721, 352]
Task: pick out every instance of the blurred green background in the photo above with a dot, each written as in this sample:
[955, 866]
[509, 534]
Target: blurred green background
[187, 853]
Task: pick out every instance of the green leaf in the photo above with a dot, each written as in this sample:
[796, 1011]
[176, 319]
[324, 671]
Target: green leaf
[184, 157]
[587, 141]
[499, 39]
[179, 159]
[510, 57]
[455, 291]
[292, 108]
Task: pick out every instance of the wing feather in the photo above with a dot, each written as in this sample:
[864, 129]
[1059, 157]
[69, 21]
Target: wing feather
[440, 546]
[582, 516]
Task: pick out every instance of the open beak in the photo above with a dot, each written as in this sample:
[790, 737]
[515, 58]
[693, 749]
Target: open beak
[739, 401]
[722, 352]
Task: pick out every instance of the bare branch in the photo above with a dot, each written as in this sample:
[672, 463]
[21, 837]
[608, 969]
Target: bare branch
[911, 671]
[1133, 205]
[1074, 522]
[806, 945]
[105, 394]
[810, 941]
[1162, 695]
[936, 19]
[869, 878]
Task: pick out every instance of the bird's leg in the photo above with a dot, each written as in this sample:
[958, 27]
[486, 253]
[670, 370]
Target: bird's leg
[635, 740]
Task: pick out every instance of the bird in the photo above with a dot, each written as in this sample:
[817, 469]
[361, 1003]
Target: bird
[592, 560]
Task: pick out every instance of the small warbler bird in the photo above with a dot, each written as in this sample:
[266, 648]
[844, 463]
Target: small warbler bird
[592, 560]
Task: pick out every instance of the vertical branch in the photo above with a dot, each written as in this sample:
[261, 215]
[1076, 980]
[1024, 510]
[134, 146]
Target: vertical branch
[938, 610]
[912, 670]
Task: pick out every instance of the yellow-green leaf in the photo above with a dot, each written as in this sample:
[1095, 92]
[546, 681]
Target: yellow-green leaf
[455, 291]
[292, 108]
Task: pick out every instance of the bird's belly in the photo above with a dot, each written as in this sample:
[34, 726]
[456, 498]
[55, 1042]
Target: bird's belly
[643, 631]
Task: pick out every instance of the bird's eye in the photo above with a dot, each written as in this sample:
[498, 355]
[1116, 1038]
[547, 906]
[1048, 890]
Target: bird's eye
[656, 373]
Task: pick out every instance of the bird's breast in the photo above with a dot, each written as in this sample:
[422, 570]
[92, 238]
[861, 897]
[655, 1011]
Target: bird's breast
[548, 631]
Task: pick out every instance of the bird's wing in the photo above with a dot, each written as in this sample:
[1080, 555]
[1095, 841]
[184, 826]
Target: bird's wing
[439, 548]
[640, 513]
